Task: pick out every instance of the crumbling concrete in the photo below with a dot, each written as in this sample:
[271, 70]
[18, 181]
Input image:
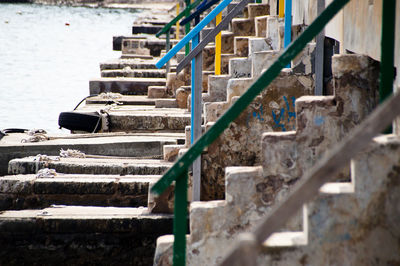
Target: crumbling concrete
[251, 191]
[273, 110]
[33, 192]
[126, 145]
[81, 235]
[97, 165]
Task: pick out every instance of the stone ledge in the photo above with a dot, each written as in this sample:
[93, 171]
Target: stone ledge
[27, 191]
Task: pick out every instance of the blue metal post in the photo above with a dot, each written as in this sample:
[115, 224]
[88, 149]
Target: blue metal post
[195, 42]
[288, 25]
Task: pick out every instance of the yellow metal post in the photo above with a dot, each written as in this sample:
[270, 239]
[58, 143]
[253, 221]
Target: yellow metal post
[177, 23]
[217, 63]
[281, 11]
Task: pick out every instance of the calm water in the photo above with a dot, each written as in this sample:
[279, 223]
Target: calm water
[45, 66]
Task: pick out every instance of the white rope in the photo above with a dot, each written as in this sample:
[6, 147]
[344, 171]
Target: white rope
[110, 95]
[44, 158]
[35, 135]
[72, 154]
[46, 173]
[105, 124]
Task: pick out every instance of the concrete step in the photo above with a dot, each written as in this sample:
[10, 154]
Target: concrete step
[182, 95]
[227, 39]
[104, 165]
[143, 118]
[166, 103]
[132, 63]
[216, 88]
[241, 46]
[273, 32]
[171, 152]
[133, 73]
[147, 29]
[237, 47]
[257, 9]
[31, 192]
[123, 99]
[149, 45]
[205, 79]
[259, 44]
[243, 27]
[262, 60]
[337, 217]
[240, 67]
[261, 26]
[117, 41]
[157, 92]
[75, 235]
[130, 86]
[136, 56]
[109, 144]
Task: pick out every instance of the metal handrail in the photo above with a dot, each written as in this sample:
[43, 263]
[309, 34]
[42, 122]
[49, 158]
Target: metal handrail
[211, 35]
[325, 170]
[178, 172]
[200, 9]
[262, 82]
[169, 25]
[196, 30]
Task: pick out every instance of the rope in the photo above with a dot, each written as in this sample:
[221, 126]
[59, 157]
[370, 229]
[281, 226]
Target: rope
[72, 154]
[35, 135]
[121, 157]
[46, 173]
[110, 95]
[44, 158]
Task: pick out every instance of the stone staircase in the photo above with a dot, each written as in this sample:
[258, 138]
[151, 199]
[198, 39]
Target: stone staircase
[273, 110]
[96, 209]
[251, 191]
[353, 222]
[93, 208]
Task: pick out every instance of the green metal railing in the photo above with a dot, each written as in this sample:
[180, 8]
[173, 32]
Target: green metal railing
[387, 50]
[167, 28]
[179, 171]
[184, 13]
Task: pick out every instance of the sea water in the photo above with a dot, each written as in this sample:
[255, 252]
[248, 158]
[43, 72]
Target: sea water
[48, 54]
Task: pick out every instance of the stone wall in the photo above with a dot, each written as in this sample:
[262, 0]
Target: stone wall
[239, 144]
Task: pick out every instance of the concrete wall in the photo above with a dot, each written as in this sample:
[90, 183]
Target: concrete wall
[357, 28]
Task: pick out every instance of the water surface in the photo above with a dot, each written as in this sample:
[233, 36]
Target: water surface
[47, 56]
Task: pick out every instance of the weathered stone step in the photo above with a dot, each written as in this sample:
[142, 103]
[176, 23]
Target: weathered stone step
[30, 192]
[73, 235]
[135, 73]
[257, 9]
[130, 86]
[243, 27]
[124, 99]
[136, 56]
[117, 41]
[144, 46]
[111, 144]
[148, 29]
[132, 63]
[105, 165]
[143, 118]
